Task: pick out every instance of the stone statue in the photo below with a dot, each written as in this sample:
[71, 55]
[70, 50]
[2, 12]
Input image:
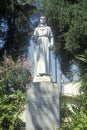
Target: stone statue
[43, 43]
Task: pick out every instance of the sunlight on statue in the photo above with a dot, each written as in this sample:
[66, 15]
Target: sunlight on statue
[43, 44]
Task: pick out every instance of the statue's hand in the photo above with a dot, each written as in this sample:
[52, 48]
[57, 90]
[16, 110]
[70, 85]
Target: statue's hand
[50, 46]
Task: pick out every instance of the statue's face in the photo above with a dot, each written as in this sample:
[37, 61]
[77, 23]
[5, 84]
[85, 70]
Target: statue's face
[42, 20]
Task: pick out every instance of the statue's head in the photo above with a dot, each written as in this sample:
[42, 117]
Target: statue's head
[42, 20]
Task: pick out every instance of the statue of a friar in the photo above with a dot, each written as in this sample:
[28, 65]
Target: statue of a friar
[43, 43]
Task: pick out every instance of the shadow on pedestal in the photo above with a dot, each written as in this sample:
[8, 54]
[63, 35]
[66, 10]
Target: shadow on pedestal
[43, 106]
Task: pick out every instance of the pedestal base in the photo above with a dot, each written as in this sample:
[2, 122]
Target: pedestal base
[43, 107]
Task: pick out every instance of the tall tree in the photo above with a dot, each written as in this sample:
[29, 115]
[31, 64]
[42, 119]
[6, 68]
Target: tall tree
[14, 26]
[68, 19]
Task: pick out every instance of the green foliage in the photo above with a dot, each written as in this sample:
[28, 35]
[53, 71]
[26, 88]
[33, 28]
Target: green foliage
[13, 77]
[75, 118]
[78, 119]
[70, 22]
[68, 19]
[83, 78]
[15, 14]
[76, 35]
[78, 122]
[65, 112]
[10, 108]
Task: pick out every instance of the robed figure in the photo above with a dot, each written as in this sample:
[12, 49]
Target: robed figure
[43, 44]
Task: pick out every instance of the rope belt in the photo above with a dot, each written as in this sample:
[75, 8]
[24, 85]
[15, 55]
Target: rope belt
[45, 36]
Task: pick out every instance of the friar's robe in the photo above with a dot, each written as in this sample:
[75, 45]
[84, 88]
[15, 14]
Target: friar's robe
[43, 42]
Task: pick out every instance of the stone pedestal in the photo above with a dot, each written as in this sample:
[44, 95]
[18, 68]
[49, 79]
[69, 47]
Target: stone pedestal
[43, 106]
